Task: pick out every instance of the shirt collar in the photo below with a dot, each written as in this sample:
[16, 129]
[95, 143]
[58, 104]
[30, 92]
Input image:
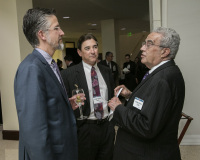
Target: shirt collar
[88, 66]
[45, 55]
[107, 62]
[158, 65]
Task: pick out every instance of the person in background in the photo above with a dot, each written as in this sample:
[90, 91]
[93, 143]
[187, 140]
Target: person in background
[112, 65]
[59, 64]
[47, 126]
[129, 69]
[139, 69]
[99, 59]
[148, 124]
[69, 61]
[96, 133]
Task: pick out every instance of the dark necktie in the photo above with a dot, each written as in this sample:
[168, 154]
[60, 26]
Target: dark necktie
[98, 107]
[58, 72]
[145, 76]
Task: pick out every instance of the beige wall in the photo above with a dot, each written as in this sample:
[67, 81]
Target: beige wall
[184, 16]
[108, 37]
[10, 58]
[25, 47]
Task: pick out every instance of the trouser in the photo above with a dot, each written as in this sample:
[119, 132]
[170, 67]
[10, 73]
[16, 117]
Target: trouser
[95, 141]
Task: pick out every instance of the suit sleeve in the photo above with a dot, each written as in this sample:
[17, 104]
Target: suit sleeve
[30, 95]
[65, 77]
[153, 116]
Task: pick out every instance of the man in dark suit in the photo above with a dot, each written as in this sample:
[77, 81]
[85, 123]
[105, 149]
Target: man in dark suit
[108, 62]
[47, 126]
[148, 125]
[69, 61]
[96, 133]
[129, 69]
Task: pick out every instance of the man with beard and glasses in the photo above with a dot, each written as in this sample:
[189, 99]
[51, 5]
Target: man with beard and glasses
[47, 126]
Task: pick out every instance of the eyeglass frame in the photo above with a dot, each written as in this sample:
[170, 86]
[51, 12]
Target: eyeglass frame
[148, 45]
[57, 28]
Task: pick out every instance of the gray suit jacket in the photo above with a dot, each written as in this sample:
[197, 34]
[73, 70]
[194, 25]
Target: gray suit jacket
[76, 75]
[150, 132]
[47, 125]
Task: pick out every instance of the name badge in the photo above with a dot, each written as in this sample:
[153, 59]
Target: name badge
[97, 100]
[138, 103]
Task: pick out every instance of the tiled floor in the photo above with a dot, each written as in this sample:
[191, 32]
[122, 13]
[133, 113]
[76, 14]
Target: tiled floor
[9, 150]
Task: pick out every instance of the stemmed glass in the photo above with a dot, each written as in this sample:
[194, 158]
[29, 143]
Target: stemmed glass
[79, 101]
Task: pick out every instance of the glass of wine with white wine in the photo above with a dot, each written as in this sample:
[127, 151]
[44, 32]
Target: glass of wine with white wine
[79, 100]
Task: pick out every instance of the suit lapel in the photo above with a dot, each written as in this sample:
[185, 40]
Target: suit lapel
[81, 79]
[49, 70]
[167, 64]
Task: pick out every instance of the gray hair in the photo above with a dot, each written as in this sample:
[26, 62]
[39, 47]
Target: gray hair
[36, 19]
[170, 39]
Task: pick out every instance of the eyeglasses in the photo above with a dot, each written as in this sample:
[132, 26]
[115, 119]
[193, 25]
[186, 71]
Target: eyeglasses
[55, 29]
[149, 43]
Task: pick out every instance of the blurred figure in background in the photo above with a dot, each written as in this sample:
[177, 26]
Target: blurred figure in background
[129, 69]
[69, 61]
[112, 65]
[59, 64]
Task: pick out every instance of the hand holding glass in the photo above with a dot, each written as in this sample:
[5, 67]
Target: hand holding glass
[79, 100]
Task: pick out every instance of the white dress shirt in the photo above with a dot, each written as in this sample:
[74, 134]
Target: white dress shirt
[158, 65]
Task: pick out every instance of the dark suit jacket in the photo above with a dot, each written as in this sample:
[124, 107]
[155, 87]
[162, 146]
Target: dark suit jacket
[76, 75]
[114, 69]
[47, 125]
[130, 78]
[131, 66]
[72, 64]
[150, 133]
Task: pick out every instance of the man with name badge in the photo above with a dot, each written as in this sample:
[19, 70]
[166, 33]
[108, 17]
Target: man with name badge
[95, 133]
[148, 124]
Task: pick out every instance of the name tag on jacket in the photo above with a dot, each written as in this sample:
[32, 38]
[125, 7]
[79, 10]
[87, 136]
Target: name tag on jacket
[138, 103]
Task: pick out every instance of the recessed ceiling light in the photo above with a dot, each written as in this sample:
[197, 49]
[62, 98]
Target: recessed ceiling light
[66, 17]
[123, 29]
[94, 24]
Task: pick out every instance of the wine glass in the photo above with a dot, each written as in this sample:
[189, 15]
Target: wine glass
[79, 101]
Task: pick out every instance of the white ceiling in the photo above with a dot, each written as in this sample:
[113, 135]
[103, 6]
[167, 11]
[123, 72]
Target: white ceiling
[130, 14]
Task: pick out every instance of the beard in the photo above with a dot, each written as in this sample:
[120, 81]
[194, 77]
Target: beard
[55, 45]
[60, 46]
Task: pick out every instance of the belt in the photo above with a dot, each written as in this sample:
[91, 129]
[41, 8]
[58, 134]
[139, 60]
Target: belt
[98, 121]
